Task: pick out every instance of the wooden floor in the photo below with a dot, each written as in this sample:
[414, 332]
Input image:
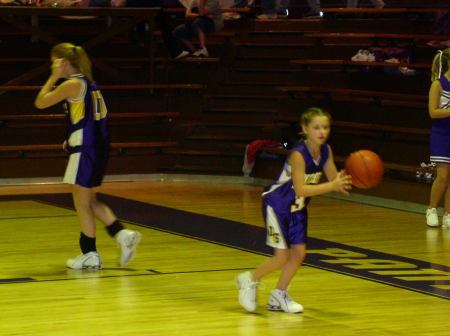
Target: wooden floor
[179, 285]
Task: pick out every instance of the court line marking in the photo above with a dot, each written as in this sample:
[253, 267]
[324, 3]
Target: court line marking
[244, 235]
[151, 272]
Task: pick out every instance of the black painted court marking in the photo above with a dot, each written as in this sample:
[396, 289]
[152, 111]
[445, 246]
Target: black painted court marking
[407, 273]
[84, 275]
[16, 280]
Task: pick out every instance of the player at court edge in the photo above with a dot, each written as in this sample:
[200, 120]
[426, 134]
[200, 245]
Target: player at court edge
[285, 211]
[88, 145]
[439, 110]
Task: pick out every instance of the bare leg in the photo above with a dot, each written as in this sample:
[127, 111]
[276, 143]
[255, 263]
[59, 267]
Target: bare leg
[277, 261]
[440, 185]
[201, 38]
[447, 200]
[82, 198]
[102, 211]
[189, 45]
[296, 257]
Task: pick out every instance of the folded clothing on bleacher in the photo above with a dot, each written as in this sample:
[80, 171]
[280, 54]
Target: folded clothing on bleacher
[252, 149]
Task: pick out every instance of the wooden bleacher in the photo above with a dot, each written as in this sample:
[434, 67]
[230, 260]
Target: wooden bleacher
[417, 40]
[379, 97]
[228, 113]
[395, 167]
[385, 10]
[306, 63]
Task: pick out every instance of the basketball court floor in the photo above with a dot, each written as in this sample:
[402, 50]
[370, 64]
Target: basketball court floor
[370, 270]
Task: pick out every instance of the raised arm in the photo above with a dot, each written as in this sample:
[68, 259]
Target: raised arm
[48, 95]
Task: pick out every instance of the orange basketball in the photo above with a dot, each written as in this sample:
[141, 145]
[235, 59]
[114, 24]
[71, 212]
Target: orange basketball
[365, 167]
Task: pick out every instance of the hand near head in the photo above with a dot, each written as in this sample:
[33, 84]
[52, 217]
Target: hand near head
[58, 67]
[342, 182]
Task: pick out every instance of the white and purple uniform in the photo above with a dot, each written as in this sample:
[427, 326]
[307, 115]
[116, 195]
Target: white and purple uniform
[285, 215]
[440, 131]
[87, 136]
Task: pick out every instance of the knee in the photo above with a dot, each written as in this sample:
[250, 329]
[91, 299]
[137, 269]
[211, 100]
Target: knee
[297, 258]
[180, 32]
[197, 25]
[297, 255]
[443, 176]
[282, 259]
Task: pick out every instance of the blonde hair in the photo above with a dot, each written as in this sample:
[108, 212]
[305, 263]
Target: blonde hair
[440, 64]
[309, 114]
[76, 56]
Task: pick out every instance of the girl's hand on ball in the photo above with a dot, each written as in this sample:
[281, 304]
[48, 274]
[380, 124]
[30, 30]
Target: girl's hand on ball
[342, 183]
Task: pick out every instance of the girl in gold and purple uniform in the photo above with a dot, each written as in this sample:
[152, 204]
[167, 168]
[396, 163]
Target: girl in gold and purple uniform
[88, 145]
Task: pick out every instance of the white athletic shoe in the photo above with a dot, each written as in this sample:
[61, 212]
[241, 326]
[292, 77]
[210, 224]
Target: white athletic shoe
[182, 54]
[432, 217]
[247, 291]
[279, 300]
[446, 221]
[128, 241]
[363, 56]
[90, 260]
[201, 53]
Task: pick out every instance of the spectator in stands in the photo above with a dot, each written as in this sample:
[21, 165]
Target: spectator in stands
[315, 6]
[441, 26]
[439, 110]
[273, 9]
[162, 21]
[208, 19]
[375, 3]
[13, 2]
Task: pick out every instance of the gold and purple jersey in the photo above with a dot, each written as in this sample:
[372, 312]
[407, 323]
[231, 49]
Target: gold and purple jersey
[86, 117]
[281, 194]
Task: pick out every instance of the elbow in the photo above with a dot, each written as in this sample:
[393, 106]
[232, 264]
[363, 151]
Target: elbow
[39, 105]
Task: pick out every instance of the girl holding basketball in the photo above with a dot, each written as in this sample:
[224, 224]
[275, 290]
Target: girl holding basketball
[88, 145]
[285, 211]
[439, 110]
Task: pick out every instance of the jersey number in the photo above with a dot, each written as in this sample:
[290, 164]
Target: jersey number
[274, 235]
[98, 105]
[298, 204]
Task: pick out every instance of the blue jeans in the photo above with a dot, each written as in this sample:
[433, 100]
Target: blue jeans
[273, 6]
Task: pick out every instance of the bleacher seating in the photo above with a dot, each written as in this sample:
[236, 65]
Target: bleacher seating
[255, 91]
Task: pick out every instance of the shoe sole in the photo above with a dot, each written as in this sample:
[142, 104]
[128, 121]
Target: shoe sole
[279, 309]
[99, 267]
[274, 308]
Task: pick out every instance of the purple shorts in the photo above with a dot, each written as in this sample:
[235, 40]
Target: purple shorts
[285, 228]
[87, 166]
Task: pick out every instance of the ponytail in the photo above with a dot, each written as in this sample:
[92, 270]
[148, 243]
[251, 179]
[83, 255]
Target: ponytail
[76, 56]
[440, 64]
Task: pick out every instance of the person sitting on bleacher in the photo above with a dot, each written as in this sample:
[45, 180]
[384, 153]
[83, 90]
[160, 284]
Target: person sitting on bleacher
[162, 21]
[208, 19]
[273, 9]
[441, 26]
[315, 6]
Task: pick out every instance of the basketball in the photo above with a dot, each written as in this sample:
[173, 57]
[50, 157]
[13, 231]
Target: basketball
[365, 167]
